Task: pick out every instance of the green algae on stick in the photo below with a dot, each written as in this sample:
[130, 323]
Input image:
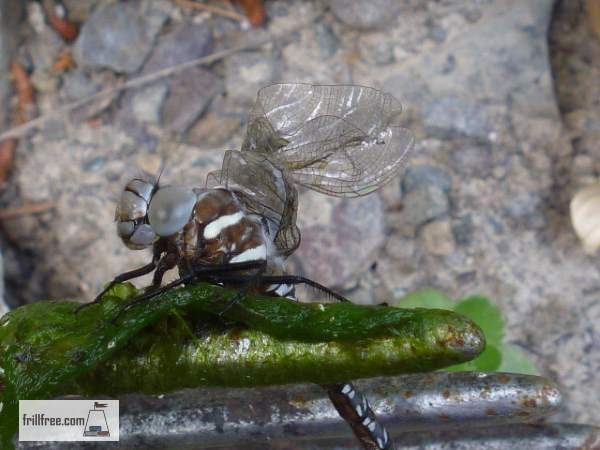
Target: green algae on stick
[245, 357]
[45, 347]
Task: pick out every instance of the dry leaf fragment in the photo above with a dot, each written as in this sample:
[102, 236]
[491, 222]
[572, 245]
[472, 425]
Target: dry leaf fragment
[255, 11]
[64, 63]
[7, 151]
[63, 26]
[24, 90]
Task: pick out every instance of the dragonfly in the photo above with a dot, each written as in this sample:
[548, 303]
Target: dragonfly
[238, 230]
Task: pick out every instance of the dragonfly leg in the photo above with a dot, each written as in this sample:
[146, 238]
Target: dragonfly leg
[119, 279]
[205, 273]
[354, 408]
[283, 279]
[251, 281]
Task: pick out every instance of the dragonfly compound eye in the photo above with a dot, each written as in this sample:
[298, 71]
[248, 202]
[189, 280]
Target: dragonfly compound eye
[131, 214]
[170, 209]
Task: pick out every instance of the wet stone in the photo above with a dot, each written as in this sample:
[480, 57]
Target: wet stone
[332, 230]
[424, 204]
[45, 48]
[246, 73]
[472, 160]
[186, 42]
[213, 129]
[437, 238]
[54, 129]
[327, 40]
[79, 10]
[419, 176]
[78, 85]
[463, 230]
[436, 32]
[116, 36]
[10, 11]
[147, 102]
[447, 117]
[526, 209]
[365, 15]
[190, 93]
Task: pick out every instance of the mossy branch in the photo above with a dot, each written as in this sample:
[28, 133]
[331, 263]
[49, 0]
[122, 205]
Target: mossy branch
[47, 350]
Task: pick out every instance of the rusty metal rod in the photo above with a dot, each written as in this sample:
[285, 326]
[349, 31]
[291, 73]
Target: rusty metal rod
[302, 415]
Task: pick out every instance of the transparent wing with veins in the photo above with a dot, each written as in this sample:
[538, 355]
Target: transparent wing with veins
[340, 140]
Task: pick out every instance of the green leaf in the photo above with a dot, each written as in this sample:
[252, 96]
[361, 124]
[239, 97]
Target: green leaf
[122, 291]
[489, 361]
[486, 315]
[426, 298]
[516, 360]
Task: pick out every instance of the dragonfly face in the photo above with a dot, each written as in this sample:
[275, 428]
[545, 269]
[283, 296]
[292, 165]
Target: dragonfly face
[131, 214]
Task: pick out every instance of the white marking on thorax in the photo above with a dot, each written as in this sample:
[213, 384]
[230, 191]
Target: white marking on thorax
[252, 254]
[213, 229]
[283, 290]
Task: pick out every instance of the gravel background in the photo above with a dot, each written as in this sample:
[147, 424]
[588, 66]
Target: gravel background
[501, 94]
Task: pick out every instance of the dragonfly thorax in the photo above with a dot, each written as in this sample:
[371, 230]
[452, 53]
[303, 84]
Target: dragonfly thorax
[222, 231]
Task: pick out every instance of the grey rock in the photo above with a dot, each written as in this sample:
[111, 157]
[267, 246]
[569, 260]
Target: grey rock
[77, 84]
[526, 208]
[452, 116]
[365, 15]
[189, 95]
[437, 237]
[213, 129]
[45, 48]
[377, 52]
[246, 73]
[116, 36]
[463, 230]
[327, 40]
[473, 160]
[332, 230]
[54, 129]
[10, 16]
[79, 10]
[186, 42]
[423, 175]
[436, 32]
[147, 102]
[424, 204]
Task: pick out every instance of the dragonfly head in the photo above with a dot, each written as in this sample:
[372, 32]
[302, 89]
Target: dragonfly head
[131, 215]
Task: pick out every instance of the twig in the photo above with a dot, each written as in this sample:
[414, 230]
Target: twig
[29, 208]
[7, 152]
[24, 90]
[20, 130]
[210, 8]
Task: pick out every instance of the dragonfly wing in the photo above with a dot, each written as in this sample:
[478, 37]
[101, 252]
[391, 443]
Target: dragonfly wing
[331, 156]
[341, 140]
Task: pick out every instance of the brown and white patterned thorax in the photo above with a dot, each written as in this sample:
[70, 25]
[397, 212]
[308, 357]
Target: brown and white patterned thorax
[220, 231]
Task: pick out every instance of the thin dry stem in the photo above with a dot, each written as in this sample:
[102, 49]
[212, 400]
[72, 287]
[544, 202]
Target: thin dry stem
[29, 208]
[212, 9]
